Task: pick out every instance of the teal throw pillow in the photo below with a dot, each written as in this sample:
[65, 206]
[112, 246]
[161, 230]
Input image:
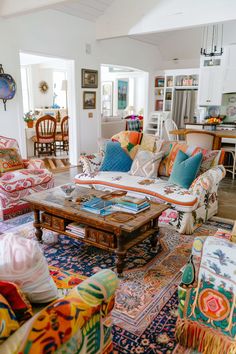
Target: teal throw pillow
[116, 159]
[185, 169]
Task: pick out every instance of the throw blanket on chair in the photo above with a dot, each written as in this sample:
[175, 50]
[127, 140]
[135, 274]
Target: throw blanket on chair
[207, 313]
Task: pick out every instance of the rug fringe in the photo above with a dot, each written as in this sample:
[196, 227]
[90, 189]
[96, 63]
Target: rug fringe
[207, 341]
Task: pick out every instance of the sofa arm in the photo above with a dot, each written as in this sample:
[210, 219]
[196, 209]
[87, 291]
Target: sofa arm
[207, 183]
[91, 163]
[34, 164]
[71, 316]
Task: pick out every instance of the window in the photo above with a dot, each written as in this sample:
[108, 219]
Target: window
[59, 89]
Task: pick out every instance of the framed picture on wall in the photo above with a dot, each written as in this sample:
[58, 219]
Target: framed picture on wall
[89, 100]
[123, 86]
[89, 78]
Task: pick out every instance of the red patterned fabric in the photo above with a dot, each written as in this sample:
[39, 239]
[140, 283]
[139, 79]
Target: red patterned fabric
[16, 185]
[17, 300]
[42, 140]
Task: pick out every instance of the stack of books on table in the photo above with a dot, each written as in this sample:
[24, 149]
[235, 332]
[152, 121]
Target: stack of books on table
[131, 204]
[76, 229]
[98, 206]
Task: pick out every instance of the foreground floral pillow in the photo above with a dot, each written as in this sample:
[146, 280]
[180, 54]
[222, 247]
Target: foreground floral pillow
[91, 163]
[8, 322]
[23, 263]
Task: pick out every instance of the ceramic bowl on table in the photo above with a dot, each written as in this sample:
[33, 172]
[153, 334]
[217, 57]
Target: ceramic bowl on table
[68, 189]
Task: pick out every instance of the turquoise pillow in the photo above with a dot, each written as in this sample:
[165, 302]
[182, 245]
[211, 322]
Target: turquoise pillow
[115, 159]
[185, 169]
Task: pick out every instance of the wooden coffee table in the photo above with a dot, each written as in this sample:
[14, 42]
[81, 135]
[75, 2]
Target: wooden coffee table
[117, 232]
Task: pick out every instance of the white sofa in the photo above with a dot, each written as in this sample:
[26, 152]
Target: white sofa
[189, 208]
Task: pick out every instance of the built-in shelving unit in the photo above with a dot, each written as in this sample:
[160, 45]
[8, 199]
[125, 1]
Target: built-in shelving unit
[167, 82]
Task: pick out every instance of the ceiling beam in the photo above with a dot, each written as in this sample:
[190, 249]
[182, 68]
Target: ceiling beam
[10, 8]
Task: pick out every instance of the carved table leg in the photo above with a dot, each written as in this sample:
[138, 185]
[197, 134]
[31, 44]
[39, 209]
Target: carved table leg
[155, 239]
[120, 256]
[38, 229]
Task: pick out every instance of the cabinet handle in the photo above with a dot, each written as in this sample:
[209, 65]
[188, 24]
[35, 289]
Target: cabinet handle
[208, 100]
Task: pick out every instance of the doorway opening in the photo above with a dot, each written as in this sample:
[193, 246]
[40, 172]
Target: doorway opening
[48, 90]
[124, 99]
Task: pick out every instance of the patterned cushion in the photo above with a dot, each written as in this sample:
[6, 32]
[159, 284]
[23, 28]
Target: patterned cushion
[17, 300]
[148, 142]
[22, 179]
[209, 158]
[23, 263]
[91, 163]
[164, 165]
[8, 322]
[42, 140]
[115, 159]
[10, 160]
[146, 164]
[127, 137]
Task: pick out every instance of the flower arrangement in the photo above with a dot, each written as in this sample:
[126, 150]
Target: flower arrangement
[29, 118]
[214, 120]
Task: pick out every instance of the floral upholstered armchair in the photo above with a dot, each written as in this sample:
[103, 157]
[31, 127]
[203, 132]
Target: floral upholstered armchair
[18, 178]
[207, 296]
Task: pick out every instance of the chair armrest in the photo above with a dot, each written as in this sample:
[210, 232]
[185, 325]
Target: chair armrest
[64, 318]
[207, 183]
[33, 164]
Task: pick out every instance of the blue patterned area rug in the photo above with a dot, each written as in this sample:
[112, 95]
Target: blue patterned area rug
[146, 302]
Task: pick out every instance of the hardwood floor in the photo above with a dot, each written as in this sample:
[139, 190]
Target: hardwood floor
[227, 192]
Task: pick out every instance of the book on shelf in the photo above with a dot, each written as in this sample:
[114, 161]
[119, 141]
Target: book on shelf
[76, 229]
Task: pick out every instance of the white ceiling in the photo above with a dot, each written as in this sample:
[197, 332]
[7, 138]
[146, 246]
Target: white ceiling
[181, 44]
[86, 9]
[184, 44]
[31, 59]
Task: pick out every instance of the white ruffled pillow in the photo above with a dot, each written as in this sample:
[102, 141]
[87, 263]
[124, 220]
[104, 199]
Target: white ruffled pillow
[23, 263]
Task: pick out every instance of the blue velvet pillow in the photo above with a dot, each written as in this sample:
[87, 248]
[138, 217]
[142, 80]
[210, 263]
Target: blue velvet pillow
[185, 169]
[115, 159]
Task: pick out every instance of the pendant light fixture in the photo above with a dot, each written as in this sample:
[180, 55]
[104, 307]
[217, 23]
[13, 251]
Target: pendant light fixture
[212, 40]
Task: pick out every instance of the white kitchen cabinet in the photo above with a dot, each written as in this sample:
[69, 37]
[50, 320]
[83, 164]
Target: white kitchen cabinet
[210, 86]
[229, 82]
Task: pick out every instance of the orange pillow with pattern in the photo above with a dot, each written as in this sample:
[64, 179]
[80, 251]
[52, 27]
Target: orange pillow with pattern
[10, 160]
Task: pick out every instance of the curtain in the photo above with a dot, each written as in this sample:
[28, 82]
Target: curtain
[184, 106]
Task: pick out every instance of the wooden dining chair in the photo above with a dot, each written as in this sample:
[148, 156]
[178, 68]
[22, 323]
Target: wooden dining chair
[62, 138]
[200, 139]
[44, 140]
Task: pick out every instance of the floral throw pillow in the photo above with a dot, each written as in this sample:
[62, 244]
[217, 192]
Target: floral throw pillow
[10, 160]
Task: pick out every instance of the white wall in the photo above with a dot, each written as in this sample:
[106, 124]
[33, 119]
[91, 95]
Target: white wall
[59, 35]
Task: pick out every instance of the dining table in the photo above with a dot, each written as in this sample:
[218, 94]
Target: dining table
[218, 135]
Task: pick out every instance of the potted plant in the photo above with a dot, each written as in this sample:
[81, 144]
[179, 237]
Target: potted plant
[29, 118]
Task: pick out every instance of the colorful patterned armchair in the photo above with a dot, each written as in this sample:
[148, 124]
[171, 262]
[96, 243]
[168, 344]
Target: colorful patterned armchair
[207, 296]
[78, 323]
[31, 176]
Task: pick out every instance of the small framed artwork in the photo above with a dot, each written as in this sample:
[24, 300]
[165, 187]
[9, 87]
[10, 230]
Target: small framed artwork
[89, 78]
[123, 94]
[89, 100]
